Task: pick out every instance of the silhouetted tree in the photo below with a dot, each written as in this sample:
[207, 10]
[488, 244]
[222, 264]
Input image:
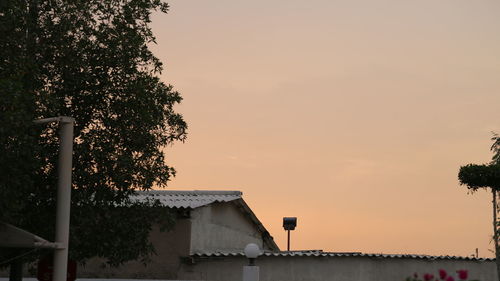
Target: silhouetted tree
[88, 59]
[486, 176]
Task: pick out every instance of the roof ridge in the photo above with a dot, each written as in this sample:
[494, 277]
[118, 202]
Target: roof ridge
[339, 254]
[191, 192]
[187, 198]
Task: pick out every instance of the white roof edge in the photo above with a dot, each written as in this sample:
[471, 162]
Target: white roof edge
[15, 237]
[339, 254]
[191, 192]
[187, 198]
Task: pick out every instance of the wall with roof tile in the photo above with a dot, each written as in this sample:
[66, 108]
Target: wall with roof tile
[222, 227]
[332, 268]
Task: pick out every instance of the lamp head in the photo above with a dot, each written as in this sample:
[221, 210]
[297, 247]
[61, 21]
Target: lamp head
[252, 251]
[289, 223]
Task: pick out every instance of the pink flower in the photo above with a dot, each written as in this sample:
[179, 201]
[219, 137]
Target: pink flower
[449, 278]
[428, 277]
[463, 274]
[442, 274]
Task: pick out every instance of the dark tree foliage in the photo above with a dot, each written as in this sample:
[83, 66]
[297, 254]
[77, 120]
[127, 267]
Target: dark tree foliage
[487, 176]
[480, 176]
[88, 59]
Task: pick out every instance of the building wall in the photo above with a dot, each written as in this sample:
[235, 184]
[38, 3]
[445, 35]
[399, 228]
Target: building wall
[169, 246]
[332, 268]
[216, 227]
[222, 227]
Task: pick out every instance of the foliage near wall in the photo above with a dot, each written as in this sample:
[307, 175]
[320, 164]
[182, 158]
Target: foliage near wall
[88, 59]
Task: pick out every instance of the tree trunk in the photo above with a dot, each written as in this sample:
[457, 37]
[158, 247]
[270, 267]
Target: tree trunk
[495, 232]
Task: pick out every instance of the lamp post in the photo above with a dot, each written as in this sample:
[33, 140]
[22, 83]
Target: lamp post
[289, 223]
[64, 167]
[251, 271]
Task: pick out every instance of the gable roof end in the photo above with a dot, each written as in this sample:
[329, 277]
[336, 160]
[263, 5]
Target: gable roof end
[199, 198]
[187, 199]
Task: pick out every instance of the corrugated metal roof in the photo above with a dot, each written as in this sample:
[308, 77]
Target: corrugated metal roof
[336, 254]
[198, 198]
[13, 237]
[187, 199]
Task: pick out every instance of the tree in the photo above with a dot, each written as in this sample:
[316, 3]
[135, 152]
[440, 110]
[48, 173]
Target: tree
[487, 176]
[88, 59]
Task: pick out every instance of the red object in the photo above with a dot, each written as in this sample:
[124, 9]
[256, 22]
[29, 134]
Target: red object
[442, 274]
[46, 267]
[450, 278]
[428, 277]
[463, 274]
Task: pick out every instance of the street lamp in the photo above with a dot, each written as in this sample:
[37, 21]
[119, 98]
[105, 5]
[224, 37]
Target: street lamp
[64, 167]
[251, 271]
[289, 223]
[252, 251]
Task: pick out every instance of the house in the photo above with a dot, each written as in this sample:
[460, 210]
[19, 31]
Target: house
[207, 221]
[332, 266]
[213, 227]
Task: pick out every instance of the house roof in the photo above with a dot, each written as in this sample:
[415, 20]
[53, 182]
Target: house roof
[336, 254]
[188, 199]
[199, 198]
[14, 237]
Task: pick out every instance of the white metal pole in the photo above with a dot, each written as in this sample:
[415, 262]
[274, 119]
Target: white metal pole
[63, 197]
[64, 168]
[250, 273]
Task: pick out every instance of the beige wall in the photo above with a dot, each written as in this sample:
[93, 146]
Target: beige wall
[216, 227]
[222, 227]
[331, 268]
[169, 246]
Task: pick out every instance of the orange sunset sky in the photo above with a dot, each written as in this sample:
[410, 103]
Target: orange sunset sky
[353, 115]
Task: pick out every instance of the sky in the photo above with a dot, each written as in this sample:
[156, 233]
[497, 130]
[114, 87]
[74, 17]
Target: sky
[352, 115]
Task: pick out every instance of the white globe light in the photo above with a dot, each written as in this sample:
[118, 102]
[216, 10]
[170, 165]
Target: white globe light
[252, 251]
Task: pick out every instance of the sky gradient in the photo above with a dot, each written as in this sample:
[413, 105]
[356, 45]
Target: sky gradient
[353, 116]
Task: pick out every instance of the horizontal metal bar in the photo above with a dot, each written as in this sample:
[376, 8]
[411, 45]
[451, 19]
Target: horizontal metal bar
[61, 119]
